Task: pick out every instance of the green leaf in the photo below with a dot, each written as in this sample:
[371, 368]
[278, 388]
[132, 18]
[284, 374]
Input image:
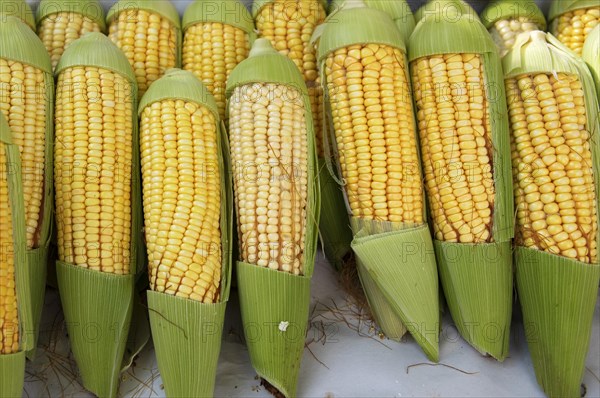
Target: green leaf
[91, 9]
[12, 375]
[228, 12]
[97, 307]
[508, 9]
[274, 307]
[21, 10]
[477, 281]
[558, 297]
[38, 266]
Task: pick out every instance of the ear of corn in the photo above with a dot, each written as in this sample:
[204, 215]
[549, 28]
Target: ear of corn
[445, 10]
[217, 37]
[572, 20]
[149, 33]
[187, 208]
[506, 19]
[62, 22]
[26, 100]
[398, 10]
[365, 73]
[556, 170]
[15, 294]
[591, 55]
[97, 203]
[19, 9]
[277, 207]
[464, 138]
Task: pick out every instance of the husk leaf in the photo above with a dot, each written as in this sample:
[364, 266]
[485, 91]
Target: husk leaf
[187, 333]
[229, 12]
[269, 297]
[559, 7]
[88, 8]
[557, 296]
[19, 43]
[19, 9]
[464, 276]
[12, 375]
[163, 8]
[442, 8]
[508, 9]
[477, 281]
[591, 55]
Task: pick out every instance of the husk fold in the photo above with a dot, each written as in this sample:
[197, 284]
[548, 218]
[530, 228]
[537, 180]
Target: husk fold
[21, 44]
[187, 333]
[268, 297]
[12, 366]
[557, 294]
[19, 9]
[444, 9]
[400, 282]
[228, 12]
[591, 55]
[88, 8]
[98, 305]
[465, 277]
[507, 9]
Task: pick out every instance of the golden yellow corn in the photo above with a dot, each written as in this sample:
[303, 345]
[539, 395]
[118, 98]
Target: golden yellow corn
[572, 28]
[289, 25]
[182, 189]
[269, 153]
[149, 41]
[505, 31]
[211, 50]
[9, 319]
[58, 30]
[373, 119]
[23, 103]
[92, 173]
[455, 133]
[552, 165]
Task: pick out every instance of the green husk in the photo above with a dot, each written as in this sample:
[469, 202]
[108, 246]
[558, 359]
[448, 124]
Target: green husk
[164, 8]
[334, 226]
[269, 297]
[559, 7]
[88, 8]
[445, 9]
[557, 294]
[187, 333]
[229, 12]
[398, 10]
[12, 366]
[463, 279]
[508, 9]
[19, 9]
[591, 55]
[95, 301]
[19, 43]
[390, 276]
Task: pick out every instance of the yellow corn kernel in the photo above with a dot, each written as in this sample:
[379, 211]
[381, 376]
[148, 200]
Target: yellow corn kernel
[93, 168]
[149, 41]
[58, 30]
[572, 28]
[289, 26]
[181, 191]
[23, 103]
[455, 133]
[505, 31]
[551, 156]
[373, 119]
[269, 153]
[211, 50]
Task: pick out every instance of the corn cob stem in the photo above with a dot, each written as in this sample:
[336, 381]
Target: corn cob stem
[59, 30]
[9, 319]
[23, 102]
[269, 154]
[572, 28]
[93, 158]
[182, 199]
[552, 166]
[454, 123]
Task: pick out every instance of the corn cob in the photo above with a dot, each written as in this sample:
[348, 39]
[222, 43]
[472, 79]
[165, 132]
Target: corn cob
[93, 160]
[149, 34]
[572, 20]
[60, 23]
[289, 25]
[182, 187]
[215, 42]
[19, 9]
